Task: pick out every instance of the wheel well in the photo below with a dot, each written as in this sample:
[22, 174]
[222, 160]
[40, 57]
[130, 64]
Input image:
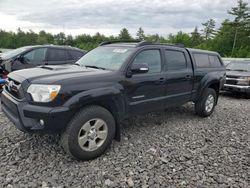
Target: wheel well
[216, 87]
[111, 107]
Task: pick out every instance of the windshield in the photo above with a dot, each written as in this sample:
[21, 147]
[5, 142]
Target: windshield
[110, 58]
[13, 53]
[239, 66]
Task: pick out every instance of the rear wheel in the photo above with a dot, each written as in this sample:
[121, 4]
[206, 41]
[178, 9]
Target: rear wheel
[248, 95]
[205, 105]
[89, 133]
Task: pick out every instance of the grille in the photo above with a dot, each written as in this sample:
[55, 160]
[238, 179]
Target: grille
[229, 76]
[232, 82]
[13, 87]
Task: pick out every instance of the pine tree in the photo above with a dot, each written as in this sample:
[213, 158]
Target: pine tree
[140, 34]
[69, 40]
[196, 37]
[124, 35]
[209, 29]
[241, 12]
[241, 24]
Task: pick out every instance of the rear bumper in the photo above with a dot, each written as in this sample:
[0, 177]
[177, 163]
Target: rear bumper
[26, 117]
[236, 88]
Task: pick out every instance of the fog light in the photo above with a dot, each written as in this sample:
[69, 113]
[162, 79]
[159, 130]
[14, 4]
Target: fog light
[41, 121]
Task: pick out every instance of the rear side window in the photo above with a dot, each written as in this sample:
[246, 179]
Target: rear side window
[75, 55]
[152, 58]
[214, 61]
[58, 55]
[175, 60]
[202, 60]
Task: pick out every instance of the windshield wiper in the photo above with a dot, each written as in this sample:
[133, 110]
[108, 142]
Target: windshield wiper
[95, 67]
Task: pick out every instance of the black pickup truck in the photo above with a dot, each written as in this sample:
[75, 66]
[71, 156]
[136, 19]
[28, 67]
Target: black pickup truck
[86, 102]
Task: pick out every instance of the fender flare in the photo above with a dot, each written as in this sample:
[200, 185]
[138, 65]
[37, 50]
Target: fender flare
[110, 96]
[205, 84]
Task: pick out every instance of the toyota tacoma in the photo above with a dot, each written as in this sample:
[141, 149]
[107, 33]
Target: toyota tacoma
[86, 102]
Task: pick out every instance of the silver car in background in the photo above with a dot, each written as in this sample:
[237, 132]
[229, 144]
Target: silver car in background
[238, 77]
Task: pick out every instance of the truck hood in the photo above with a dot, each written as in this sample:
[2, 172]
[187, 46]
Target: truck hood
[52, 74]
[237, 73]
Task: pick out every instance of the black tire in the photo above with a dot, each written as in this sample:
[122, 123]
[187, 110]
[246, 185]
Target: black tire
[248, 95]
[200, 105]
[69, 138]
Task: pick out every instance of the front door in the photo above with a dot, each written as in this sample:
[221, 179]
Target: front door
[145, 92]
[31, 59]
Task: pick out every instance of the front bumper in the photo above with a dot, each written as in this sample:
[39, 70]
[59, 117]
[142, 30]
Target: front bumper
[26, 117]
[236, 88]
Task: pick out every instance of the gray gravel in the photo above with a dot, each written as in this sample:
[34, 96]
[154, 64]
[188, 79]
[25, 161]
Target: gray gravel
[170, 148]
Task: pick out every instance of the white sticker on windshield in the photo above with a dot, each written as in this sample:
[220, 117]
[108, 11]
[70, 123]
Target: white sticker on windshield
[117, 50]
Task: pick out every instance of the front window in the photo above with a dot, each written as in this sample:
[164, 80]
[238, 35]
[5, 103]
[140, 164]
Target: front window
[110, 58]
[150, 57]
[239, 66]
[35, 56]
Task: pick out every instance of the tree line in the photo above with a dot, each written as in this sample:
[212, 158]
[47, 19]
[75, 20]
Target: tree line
[230, 39]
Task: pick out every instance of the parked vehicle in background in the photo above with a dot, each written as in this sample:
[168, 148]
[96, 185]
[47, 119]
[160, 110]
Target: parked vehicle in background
[32, 56]
[2, 50]
[238, 77]
[87, 101]
[227, 60]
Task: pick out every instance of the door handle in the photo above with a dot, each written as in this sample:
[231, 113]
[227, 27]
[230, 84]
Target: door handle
[188, 77]
[159, 81]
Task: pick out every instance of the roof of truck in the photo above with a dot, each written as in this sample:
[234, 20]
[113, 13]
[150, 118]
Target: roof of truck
[193, 50]
[135, 43]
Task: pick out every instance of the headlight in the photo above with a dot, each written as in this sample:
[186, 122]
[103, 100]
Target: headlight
[245, 78]
[245, 81]
[43, 93]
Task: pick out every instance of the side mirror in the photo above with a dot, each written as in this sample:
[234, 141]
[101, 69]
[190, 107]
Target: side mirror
[138, 68]
[21, 59]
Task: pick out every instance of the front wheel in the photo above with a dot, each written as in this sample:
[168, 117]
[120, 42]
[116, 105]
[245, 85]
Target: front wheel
[89, 133]
[205, 105]
[248, 95]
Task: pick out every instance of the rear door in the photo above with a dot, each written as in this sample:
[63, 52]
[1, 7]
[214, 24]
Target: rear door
[57, 56]
[179, 79]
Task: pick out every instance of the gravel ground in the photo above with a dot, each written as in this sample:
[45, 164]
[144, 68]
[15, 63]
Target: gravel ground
[172, 148]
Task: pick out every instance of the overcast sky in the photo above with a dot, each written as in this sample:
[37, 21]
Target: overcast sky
[109, 16]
